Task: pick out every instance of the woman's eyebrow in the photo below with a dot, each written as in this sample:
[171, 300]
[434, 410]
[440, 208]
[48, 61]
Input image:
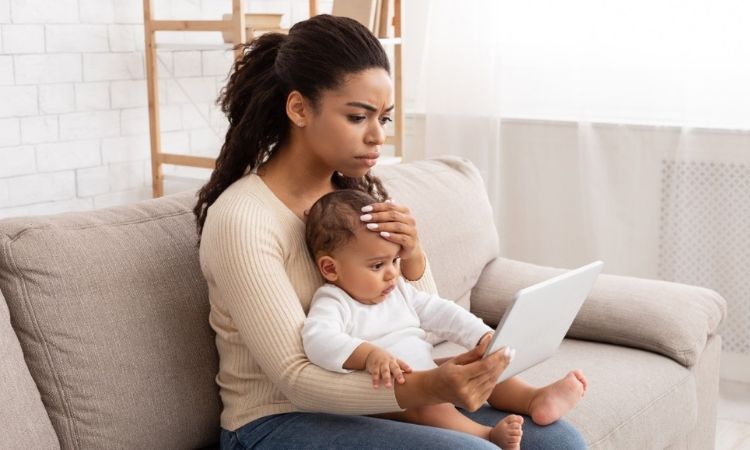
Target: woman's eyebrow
[368, 107]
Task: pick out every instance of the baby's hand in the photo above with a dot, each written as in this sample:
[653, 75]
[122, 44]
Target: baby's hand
[487, 335]
[383, 365]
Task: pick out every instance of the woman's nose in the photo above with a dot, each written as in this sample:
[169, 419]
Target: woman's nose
[376, 135]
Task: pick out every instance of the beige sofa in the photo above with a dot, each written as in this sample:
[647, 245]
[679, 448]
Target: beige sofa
[106, 342]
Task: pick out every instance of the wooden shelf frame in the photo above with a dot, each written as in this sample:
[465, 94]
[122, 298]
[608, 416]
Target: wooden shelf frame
[236, 26]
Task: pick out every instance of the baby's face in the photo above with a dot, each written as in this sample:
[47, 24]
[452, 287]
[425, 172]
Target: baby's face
[367, 267]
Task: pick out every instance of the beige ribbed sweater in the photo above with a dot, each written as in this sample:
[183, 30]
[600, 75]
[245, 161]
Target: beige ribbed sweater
[261, 280]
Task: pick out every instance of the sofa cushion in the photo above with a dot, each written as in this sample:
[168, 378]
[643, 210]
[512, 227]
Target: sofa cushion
[635, 398]
[672, 319]
[25, 422]
[111, 311]
[457, 203]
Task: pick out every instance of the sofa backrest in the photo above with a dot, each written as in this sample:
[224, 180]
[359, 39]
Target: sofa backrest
[111, 309]
[447, 197]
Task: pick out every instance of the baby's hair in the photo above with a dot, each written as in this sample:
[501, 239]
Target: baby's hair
[333, 220]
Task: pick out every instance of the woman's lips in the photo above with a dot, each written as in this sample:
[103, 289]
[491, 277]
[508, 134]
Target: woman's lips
[369, 159]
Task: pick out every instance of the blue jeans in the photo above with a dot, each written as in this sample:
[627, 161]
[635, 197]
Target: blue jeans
[332, 432]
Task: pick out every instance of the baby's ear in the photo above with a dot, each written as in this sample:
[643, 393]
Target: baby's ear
[328, 269]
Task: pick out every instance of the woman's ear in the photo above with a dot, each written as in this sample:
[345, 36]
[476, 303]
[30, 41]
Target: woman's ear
[298, 109]
[328, 269]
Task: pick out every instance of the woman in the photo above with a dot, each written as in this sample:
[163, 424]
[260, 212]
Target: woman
[306, 116]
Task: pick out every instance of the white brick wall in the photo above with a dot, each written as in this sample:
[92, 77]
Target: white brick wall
[187, 64]
[57, 98]
[23, 39]
[126, 38]
[126, 148]
[17, 161]
[4, 11]
[90, 125]
[73, 105]
[77, 38]
[92, 181]
[92, 96]
[128, 94]
[113, 66]
[96, 11]
[39, 129]
[6, 68]
[40, 187]
[47, 68]
[68, 155]
[18, 101]
[10, 133]
[129, 11]
[44, 11]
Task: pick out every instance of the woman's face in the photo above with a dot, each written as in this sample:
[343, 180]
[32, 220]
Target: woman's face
[349, 127]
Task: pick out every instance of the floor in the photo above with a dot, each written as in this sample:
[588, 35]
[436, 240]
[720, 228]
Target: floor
[733, 424]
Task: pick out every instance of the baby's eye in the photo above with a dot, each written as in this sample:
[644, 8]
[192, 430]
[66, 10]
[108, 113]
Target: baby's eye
[396, 260]
[357, 119]
[377, 266]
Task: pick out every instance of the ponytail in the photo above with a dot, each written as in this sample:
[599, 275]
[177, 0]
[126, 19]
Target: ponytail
[255, 105]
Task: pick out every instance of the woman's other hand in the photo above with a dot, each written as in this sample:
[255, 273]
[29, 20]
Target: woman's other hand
[465, 380]
[396, 224]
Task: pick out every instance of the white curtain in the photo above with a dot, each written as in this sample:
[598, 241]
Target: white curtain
[605, 130]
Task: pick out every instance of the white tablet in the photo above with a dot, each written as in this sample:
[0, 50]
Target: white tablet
[539, 317]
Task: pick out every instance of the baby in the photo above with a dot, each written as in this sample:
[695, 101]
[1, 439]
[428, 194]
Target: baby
[367, 317]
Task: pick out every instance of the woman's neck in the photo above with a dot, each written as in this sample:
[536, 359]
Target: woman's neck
[296, 179]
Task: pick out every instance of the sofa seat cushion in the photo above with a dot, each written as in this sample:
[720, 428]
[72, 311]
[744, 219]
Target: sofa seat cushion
[111, 310]
[635, 398]
[25, 423]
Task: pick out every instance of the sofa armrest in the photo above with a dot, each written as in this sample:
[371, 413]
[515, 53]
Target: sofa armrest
[672, 319]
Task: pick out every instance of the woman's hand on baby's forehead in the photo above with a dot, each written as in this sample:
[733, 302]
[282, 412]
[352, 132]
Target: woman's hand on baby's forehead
[387, 211]
[395, 223]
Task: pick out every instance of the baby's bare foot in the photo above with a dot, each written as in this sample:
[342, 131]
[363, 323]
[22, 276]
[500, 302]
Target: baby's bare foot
[507, 433]
[553, 401]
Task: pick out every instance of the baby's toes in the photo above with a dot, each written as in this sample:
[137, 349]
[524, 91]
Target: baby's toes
[514, 420]
[578, 374]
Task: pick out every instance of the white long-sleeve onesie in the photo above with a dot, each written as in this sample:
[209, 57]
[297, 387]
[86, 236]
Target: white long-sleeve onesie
[337, 324]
